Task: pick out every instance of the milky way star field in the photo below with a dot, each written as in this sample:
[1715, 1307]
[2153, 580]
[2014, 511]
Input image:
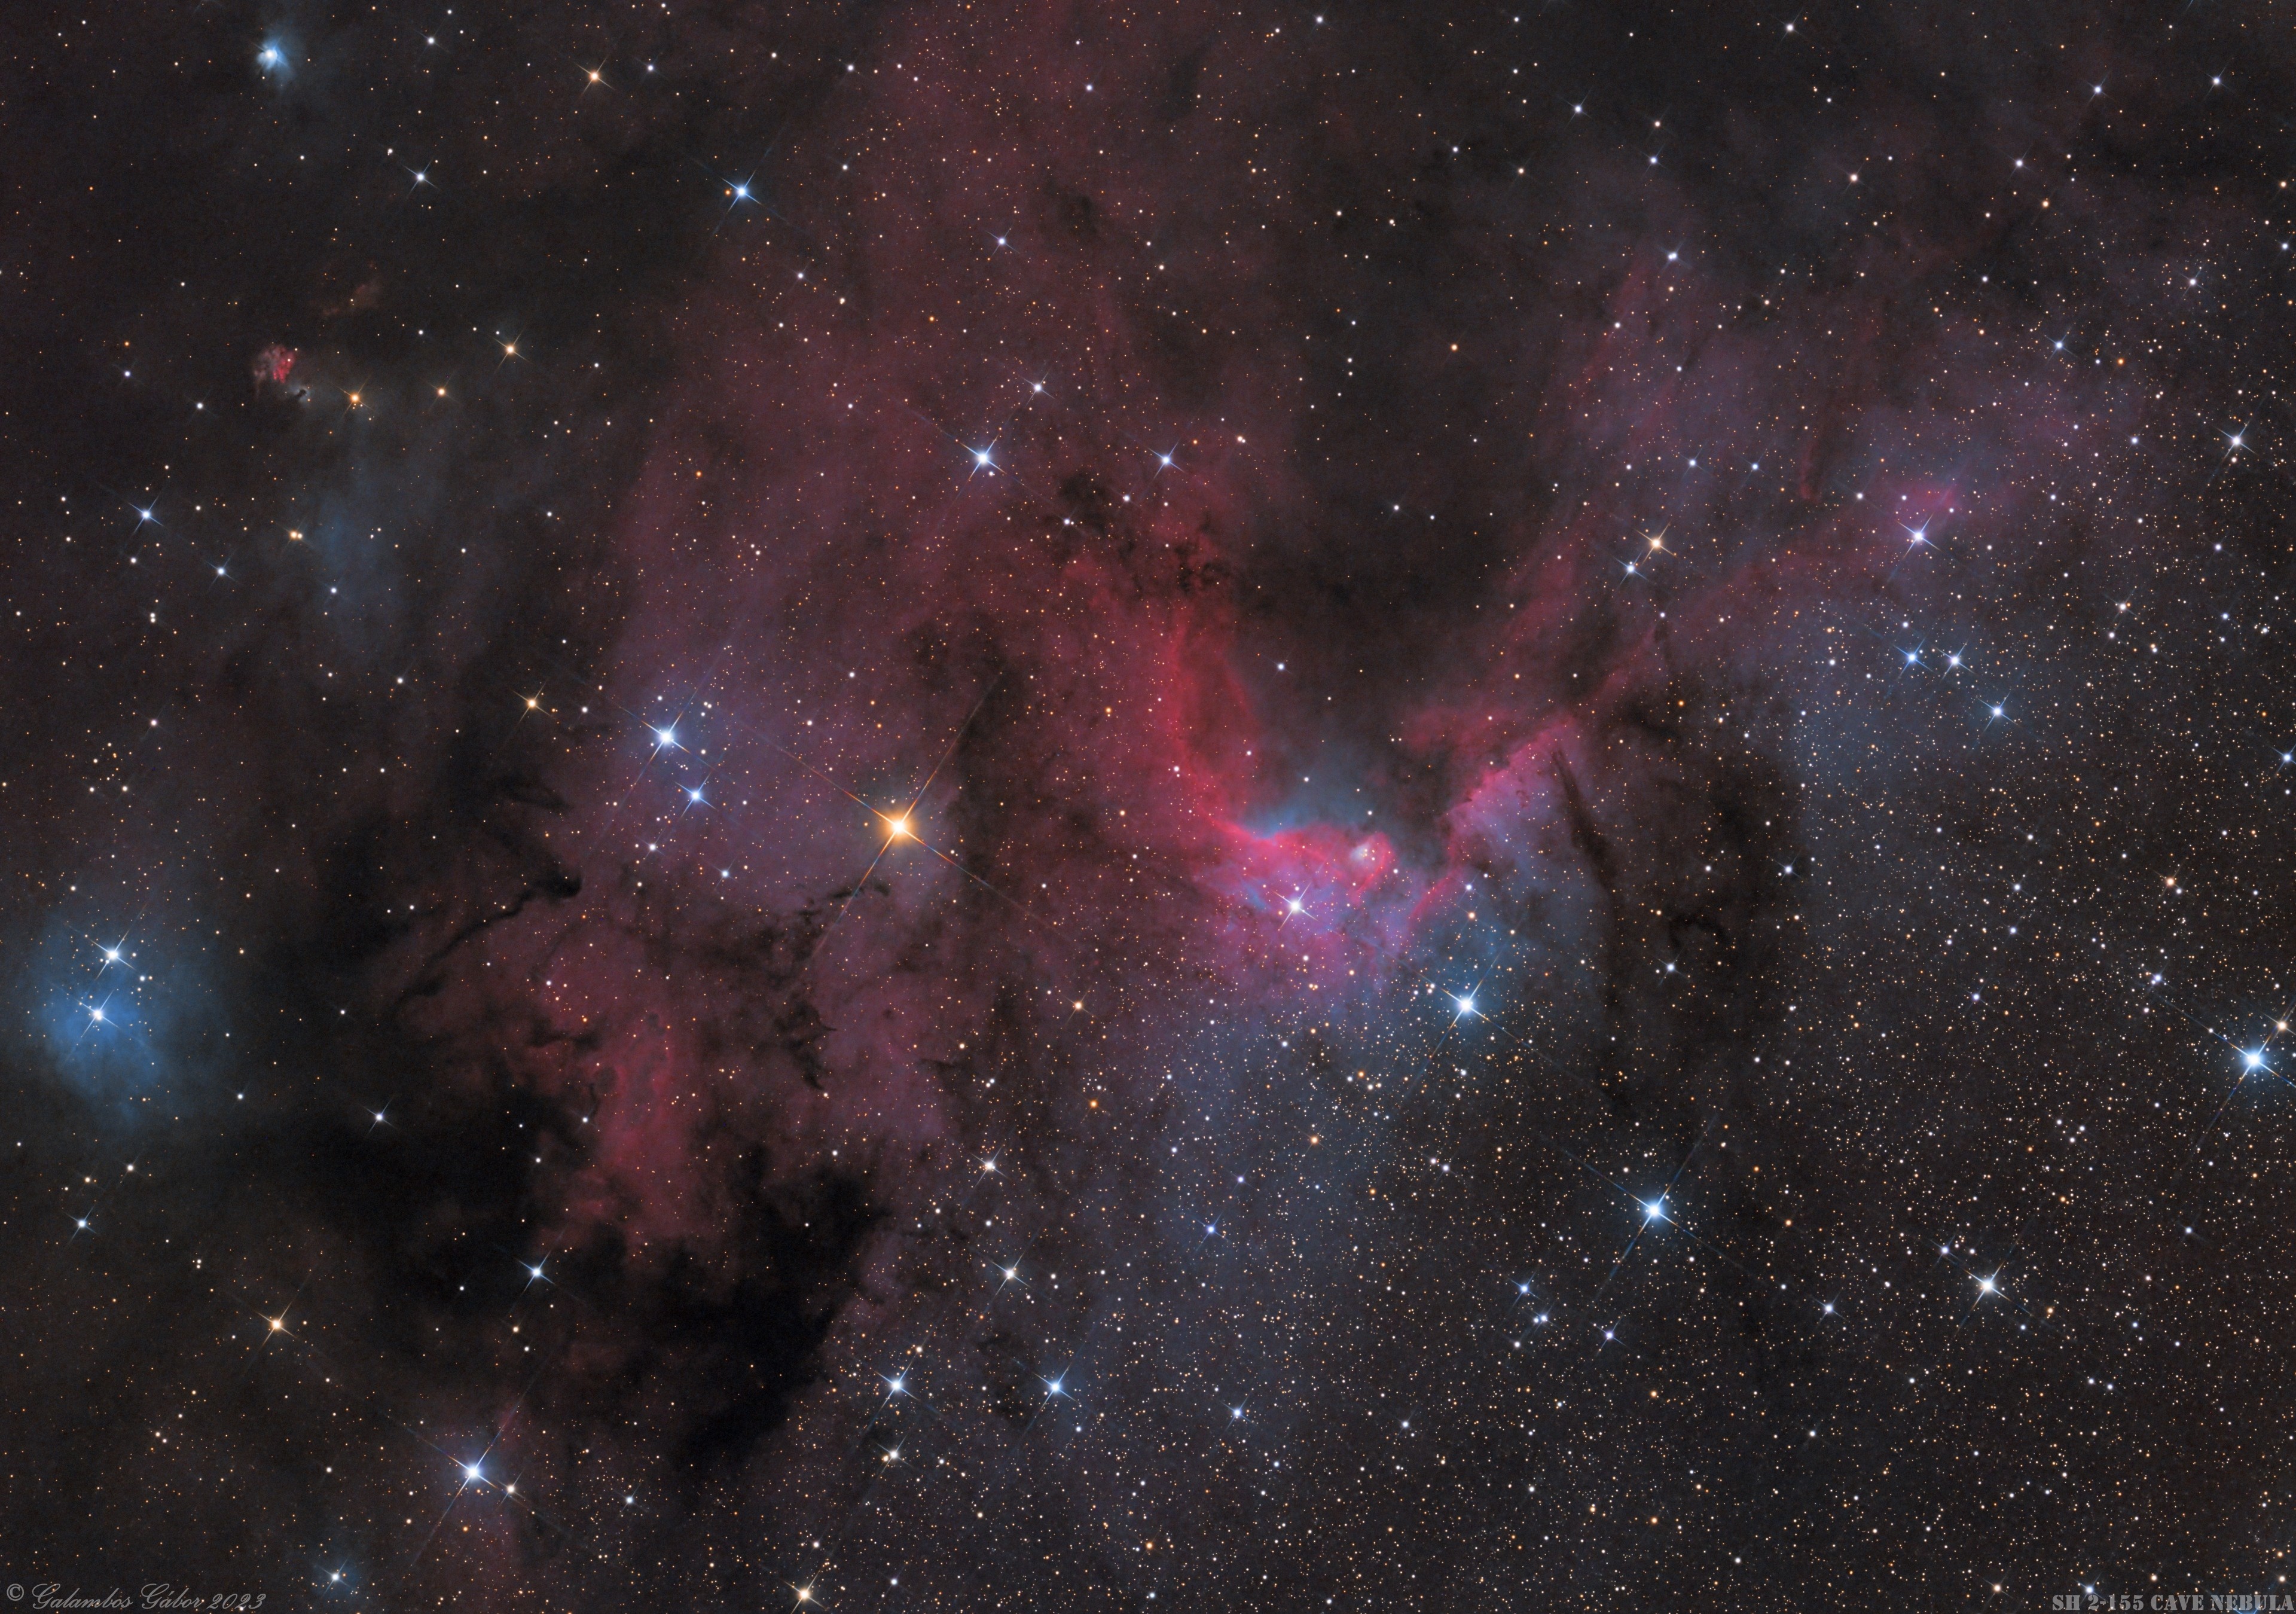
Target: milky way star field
[947, 807]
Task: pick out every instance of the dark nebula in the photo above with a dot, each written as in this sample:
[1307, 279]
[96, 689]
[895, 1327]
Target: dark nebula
[898, 808]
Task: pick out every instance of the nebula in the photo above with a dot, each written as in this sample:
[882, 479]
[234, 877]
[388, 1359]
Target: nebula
[1039, 807]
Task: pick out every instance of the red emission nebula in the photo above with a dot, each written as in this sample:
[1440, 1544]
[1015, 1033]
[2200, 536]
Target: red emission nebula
[1002, 806]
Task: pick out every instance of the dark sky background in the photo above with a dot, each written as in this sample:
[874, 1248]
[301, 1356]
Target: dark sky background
[958, 807]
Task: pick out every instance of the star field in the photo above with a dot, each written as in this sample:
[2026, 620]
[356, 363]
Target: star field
[943, 808]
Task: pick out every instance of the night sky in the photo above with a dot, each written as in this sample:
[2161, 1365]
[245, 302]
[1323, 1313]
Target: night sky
[954, 808]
